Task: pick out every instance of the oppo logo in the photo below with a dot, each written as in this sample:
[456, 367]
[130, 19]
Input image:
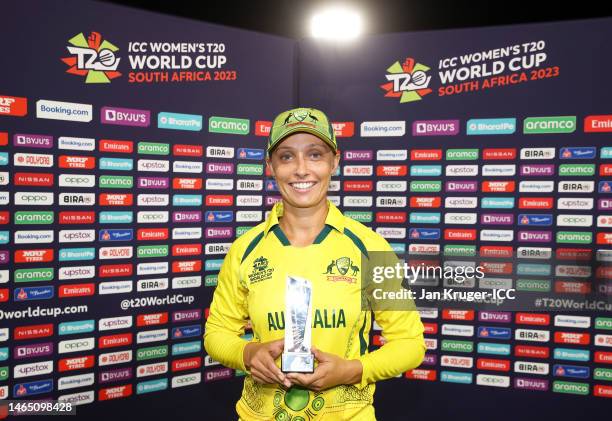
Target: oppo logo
[357, 201]
[389, 186]
[575, 220]
[460, 218]
[77, 180]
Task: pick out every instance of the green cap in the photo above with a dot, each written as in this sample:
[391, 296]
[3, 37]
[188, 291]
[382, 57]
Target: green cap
[306, 120]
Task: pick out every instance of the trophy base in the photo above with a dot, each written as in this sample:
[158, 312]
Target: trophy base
[297, 362]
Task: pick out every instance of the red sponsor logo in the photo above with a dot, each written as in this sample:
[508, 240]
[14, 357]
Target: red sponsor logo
[421, 374]
[460, 234]
[605, 170]
[358, 185]
[391, 170]
[378, 340]
[604, 272]
[531, 351]
[34, 256]
[187, 183]
[219, 200]
[3, 138]
[188, 150]
[186, 364]
[501, 153]
[572, 287]
[603, 357]
[573, 254]
[33, 179]
[116, 199]
[4, 294]
[33, 331]
[344, 128]
[449, 314]
[604, 238]
[186, 249]
[119, 146]
[430, 328]
[76, 290]
[426, 154]
[77, 217]
[425, 202]
[532, 319]
[5, 217]
[111, 341]
[151, 234]
[187, 266]
[13, 105]
[602, 391]
[572, 338]
[598, 123]
[496, 268]
[391, 217]
[492, 364]
[115, 392]
[151, 319]
[76, 363]
[109, 271]
[496, 251]
[498, 186]
[262, 128]
[78, 162]
[535, 203]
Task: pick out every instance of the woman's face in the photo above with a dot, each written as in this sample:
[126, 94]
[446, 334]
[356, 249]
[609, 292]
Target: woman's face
[302, 165]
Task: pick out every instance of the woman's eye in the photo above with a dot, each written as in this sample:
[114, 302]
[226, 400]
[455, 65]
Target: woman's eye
[316, 154]
[285, 157]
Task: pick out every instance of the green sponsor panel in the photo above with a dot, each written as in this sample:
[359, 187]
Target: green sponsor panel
[459, 250]
[152, 251]
[4, 373]
[603, 323]
[240, 373]
[249, 169]
[426, 186]
[34, 275]
[603, 374]
[359, 216]
[152, 148]
[228, 125]
[34, 217]
[574, 237]
[152, 352]
[573, 388]
[241, 230]
[457, 346]
[553, 124]
[577, 170]
[116, 181]
[536, 285]
[461, 154]
[211, 280]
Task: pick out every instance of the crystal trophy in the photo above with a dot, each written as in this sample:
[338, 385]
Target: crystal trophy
[297, 357]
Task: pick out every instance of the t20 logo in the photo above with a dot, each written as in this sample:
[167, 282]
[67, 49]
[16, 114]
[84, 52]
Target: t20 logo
[93, 58]
[408, 81]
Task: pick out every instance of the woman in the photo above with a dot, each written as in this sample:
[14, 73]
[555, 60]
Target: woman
[305, 235]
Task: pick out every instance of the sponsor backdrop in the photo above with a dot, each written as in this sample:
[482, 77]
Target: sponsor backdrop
[131, 156]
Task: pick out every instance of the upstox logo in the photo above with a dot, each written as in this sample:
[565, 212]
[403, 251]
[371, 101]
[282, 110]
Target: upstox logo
[407, 81]
[93, 58]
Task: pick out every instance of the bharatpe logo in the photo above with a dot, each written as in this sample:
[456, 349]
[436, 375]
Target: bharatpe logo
[407, 81]
[93, 58]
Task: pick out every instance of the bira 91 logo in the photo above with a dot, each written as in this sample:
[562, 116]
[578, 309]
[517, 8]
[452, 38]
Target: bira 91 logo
[407, 81]
[93, 58]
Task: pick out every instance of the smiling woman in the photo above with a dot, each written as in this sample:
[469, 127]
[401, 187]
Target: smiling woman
[306, 236]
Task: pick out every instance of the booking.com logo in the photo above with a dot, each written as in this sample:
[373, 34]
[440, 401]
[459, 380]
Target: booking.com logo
[93, 58]
[408, 81]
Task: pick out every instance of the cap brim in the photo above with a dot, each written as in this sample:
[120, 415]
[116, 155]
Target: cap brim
[304, 130]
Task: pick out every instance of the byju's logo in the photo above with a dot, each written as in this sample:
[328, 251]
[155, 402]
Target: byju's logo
[93, 58]
[407, 81]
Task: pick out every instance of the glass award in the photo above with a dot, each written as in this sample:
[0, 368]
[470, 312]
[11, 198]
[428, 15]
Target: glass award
[297, 357]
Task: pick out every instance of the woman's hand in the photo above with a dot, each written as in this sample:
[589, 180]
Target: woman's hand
[259, 359]
[331, 371]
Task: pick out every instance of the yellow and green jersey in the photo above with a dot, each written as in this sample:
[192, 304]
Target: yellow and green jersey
[251, 286]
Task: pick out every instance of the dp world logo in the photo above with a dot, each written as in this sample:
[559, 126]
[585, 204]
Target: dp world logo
[408, 81]
[93, 58]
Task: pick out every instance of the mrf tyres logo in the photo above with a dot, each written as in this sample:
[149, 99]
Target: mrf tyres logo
[408, 81]
[92, 57]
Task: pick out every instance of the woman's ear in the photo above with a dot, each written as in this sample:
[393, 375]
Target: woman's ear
[269, 166]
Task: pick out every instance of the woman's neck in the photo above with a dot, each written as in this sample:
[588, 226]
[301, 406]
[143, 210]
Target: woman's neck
[302, 225]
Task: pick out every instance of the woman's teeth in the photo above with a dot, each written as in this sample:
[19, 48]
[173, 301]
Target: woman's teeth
[302, 186]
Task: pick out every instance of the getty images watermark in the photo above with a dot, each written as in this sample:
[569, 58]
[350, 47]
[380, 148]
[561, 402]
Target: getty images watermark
[510, 283]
